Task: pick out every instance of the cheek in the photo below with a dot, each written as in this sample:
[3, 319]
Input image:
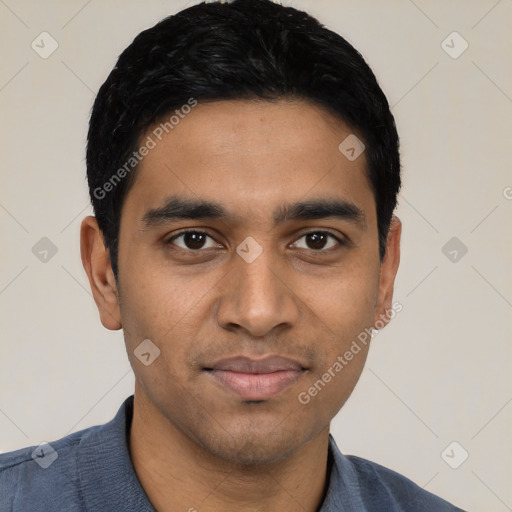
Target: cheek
[346, 301]
[153, 308]
[170, 310]
[343, 309]
[157, 305]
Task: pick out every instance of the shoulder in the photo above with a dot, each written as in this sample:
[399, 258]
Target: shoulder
[87, 470]
[380, 485]
[357, 484]
[40, 474]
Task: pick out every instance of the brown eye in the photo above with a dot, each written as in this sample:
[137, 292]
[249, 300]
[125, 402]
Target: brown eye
[193, 240]
[317, 241]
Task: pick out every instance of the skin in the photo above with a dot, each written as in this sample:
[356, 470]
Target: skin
[194, 443]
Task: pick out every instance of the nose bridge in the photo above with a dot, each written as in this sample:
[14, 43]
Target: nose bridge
[259, 280]
[257, 299]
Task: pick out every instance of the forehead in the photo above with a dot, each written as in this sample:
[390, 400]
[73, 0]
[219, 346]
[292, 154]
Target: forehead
[251, 156]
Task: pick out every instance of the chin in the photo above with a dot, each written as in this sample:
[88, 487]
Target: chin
[254, 445]
[253, 452]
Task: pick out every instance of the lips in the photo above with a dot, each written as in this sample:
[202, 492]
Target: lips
[256, 379]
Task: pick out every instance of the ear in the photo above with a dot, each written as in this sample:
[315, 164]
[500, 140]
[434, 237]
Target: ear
[388, 270]
[96, 262]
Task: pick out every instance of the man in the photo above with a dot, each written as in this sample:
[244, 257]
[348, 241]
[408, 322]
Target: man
[243, 166]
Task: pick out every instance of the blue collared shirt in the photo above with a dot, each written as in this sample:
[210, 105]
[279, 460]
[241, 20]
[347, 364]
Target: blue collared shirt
[92, 470]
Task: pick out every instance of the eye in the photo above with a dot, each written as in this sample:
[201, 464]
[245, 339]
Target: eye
[193, 240]
[317, 240]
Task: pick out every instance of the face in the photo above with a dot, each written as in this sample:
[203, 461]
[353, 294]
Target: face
[249, 256]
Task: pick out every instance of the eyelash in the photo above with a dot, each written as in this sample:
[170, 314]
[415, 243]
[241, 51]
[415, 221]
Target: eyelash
[340, 242]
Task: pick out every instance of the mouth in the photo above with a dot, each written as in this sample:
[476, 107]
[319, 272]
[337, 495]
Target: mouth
[256, 379]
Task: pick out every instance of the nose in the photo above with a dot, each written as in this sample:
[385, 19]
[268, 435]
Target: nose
[258, 297]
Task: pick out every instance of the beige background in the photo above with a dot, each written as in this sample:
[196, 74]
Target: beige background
[439, 373]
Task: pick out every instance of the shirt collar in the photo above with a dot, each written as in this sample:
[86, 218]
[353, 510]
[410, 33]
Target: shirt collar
[107, 475]
[343, 492]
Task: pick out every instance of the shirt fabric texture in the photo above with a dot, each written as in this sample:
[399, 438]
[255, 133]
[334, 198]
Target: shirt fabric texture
[93, 472]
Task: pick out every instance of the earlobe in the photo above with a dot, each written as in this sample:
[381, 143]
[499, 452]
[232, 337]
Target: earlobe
[388, 270]
[96, 262]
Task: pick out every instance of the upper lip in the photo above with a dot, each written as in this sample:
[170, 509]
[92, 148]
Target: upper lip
[244, 364]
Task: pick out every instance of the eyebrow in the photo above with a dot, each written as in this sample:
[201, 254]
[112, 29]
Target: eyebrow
[179, 208]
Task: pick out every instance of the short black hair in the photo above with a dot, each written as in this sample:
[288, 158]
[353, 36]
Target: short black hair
[244, 49]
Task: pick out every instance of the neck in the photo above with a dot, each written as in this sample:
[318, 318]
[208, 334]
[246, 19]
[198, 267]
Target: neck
[179, 475]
